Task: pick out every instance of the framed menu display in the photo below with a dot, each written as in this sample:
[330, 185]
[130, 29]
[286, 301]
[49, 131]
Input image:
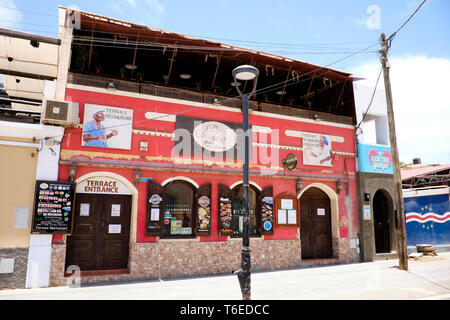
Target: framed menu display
[286, 209]
[203, 198]
[225, 211]
[266, 203]
[53, 207]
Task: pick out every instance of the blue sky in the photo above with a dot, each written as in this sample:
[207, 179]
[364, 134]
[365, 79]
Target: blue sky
[311, 31]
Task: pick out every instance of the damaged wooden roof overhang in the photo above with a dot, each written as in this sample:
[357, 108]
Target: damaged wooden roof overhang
[152, 55]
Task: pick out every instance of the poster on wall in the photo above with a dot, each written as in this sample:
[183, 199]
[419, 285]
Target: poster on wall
[107, 127]
[226, 215]
[317, 149]
[267, 213]
[53, 207]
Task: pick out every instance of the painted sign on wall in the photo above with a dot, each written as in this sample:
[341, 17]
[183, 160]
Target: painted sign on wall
[102, 185]
[375, 159]
[427, 219]
[107, 127]
[317, 149]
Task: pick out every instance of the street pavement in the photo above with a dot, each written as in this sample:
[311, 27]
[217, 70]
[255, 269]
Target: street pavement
[428, 278]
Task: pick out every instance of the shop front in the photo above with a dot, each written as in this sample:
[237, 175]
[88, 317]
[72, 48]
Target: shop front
[377, 210]
[163, 198]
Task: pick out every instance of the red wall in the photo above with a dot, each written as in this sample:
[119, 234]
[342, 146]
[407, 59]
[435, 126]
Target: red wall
[162, 146]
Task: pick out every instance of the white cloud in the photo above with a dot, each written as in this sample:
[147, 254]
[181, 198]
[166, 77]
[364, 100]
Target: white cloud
[155, 5]
[10, 17]
[421, 105]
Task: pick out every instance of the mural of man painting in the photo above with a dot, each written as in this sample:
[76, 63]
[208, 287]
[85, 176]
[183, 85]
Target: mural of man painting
[94, 133]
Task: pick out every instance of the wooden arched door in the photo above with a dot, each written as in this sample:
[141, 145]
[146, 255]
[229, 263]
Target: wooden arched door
[315, 224]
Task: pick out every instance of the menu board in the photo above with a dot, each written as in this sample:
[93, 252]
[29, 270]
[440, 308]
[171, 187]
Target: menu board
[225, 215]
[53, 207]
[204, 215]
[267, 213]
[286, 209]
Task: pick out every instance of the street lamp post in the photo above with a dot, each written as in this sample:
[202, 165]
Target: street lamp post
[245, 73]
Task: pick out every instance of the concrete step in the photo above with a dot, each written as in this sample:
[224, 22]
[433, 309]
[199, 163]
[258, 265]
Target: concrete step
[386, 256]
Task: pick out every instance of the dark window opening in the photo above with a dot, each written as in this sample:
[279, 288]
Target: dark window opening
[179, 210]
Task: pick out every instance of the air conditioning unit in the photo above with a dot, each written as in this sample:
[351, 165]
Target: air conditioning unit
[60, 113]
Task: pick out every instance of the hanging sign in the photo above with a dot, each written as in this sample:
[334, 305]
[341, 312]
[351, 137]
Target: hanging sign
[290, 162]
[53, 207]
[375, 159]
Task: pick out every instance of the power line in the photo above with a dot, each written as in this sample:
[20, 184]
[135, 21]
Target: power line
[404, 24]
[157, 47]
[371, 99]
[267, 89]
[29, 11]
[200, 37]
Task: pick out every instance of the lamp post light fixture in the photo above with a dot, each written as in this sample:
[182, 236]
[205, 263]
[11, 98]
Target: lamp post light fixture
[245, 73]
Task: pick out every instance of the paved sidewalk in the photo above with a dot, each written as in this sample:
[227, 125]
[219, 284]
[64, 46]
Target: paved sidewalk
[427, 278]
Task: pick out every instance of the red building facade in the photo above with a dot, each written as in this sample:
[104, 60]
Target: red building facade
[154, 255]
[157, 166]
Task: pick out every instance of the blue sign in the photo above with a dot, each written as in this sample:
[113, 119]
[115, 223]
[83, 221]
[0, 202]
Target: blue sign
[267, 225]
[375, 159]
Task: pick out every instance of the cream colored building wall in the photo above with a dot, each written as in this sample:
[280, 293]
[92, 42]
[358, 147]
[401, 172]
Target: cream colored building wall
[17, 184]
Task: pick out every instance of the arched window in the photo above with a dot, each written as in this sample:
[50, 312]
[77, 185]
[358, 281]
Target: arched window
[238, 211]
[179, 209]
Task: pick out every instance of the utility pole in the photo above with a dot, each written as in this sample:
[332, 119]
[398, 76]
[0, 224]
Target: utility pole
[400, 213]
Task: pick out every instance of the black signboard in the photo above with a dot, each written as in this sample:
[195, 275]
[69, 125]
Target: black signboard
[210, 138]
[53, 207]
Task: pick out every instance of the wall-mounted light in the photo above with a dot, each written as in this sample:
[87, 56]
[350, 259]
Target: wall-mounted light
[299, 185]
[137, 176]
[72, 171]
[338, 186]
